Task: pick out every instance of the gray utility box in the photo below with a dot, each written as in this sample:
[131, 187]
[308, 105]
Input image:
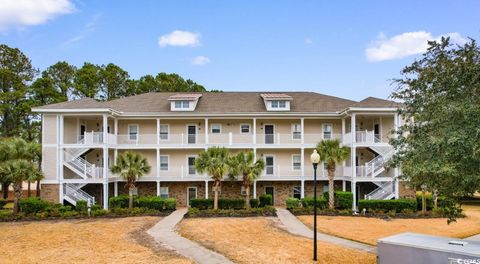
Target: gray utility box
[417, 248]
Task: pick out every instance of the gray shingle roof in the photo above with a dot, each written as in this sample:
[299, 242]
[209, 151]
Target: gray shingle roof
[224, 102]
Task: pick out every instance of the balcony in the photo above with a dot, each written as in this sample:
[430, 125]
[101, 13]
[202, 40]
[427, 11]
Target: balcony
[365, 137]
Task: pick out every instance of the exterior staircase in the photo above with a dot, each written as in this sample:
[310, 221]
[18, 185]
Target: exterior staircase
[376, 166]
[385, 191]
[72, 159]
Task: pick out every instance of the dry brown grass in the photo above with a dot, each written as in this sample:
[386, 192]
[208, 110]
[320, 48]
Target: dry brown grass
[369, 230]
[121, 240]
[259, 240]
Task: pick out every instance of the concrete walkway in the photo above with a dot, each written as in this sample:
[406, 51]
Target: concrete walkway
[474, 238]
[164, 233]
[296, 227]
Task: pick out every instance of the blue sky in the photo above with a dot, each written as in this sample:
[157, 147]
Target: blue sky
[350, 49]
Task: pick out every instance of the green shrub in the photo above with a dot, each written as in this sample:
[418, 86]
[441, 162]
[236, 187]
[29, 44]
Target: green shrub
[428, 200]
[308, 202]
[231, 203]
[120, 201]
[96, 207]
[33, 205]
[254, 203]
[2, 203]
[292, 202]
[68, 214]
[342, 200]
[64, 208]
[261, 211]
[99, 212]
[387, 205]
[265, 200]
[201, 204]
[150, 202]
[82, 207]
[170, 204]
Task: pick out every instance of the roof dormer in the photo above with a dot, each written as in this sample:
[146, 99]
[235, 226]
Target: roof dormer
[277, 102]
[184, 102]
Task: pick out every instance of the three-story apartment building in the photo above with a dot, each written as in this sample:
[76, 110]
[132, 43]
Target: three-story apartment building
[81, 140]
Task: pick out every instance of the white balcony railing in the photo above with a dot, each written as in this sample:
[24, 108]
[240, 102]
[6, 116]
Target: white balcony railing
[364, 137]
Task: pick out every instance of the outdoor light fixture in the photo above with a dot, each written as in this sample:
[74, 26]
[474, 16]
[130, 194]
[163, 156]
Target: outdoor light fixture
[315, 159]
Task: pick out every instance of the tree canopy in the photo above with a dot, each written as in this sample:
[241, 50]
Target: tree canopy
[23, 87]
[438, 146]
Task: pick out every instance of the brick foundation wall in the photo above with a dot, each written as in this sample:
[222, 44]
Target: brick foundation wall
[50, 192]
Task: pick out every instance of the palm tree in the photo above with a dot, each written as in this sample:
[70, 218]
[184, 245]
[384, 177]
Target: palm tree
[244, 164]
[131, 166]
[18, 171]
[17, 158]
[213, 161]
[332, 153]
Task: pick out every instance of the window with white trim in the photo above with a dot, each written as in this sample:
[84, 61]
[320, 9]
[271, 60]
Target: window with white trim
[279, 104]
[132, 132]
[245, 128]
[327, 131]
[297, 192]
[182, 104]
[191, 166]
[243, 191]
[296, 131]
[163, 162]
[164, 129]
[164, 192]
[216, 128]
[296, 162]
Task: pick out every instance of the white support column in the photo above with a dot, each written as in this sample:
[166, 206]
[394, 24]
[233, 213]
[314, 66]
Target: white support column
[158, 188]
[158, 131]
[254, 189]
[115, 155]
[344, 185]
[62, 129]
[115, 127]
[302, 189]
[115, 189]
[354, 192]
[396, 121]
[206, 189]
[302, 161]
[206, 130]
[353, 146]
[343, 129]
[254, 128]
[105, 161]
[158, 162]
[302, 130]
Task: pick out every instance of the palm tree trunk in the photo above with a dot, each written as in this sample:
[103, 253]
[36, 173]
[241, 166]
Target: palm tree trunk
[215, 196]
[5, 190]
[130, 197]
[28, 189]
[331, 197]
[38, 189]
[17, 189]
[247, 196]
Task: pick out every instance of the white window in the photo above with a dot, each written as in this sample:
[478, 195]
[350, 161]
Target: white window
[164, 192]
[182, 104]
[191, 165]
[163, 162]
[269, 165]
[296, 162]
[296, 131]
[297, 192]
[327, 131]
[132, 132]
[216, 129]
[245, 128]
[279, 104]
[164, 129]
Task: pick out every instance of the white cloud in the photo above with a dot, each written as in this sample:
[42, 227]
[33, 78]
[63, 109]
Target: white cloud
[22, 13]
[405, 44]
[308, 41]
[200, 60]
[179, 38]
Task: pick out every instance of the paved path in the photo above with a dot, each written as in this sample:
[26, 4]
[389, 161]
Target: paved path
[296, 227]
[163, 232]
[475, 237]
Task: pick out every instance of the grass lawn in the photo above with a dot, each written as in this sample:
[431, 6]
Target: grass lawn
[120, 240]
[259, 240]
[369, 230]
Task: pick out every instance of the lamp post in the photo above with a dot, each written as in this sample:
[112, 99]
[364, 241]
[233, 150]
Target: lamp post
[315, 159]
